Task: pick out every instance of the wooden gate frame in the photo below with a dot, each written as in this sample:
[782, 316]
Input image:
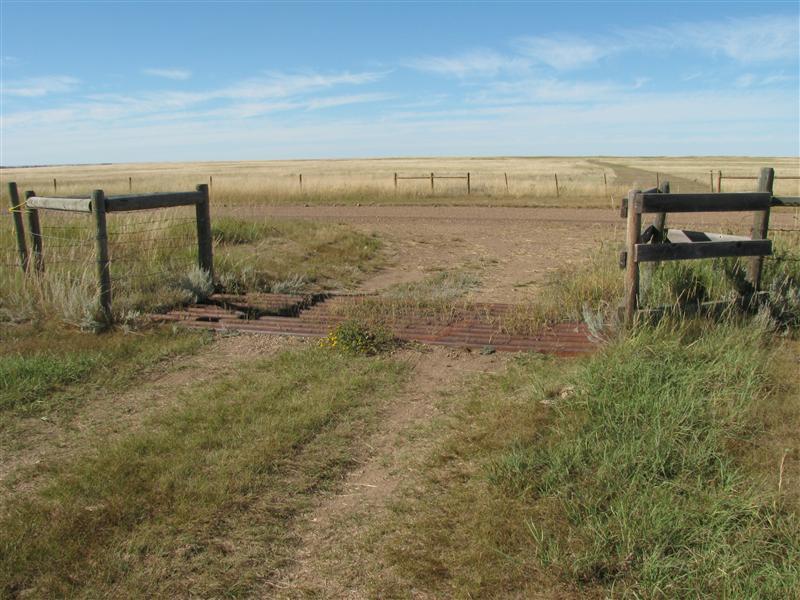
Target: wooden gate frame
[660, 202]
[99, 205]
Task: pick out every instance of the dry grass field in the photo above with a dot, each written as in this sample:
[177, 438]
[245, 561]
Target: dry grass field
[153, 461]
[531, 181]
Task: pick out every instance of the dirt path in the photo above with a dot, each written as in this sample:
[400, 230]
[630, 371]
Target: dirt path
[327, 563]
[511, 250]
[641, 178]
[49, 439]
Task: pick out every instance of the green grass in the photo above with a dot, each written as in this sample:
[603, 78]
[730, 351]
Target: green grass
[200, 501]
[46, 368]
[636, 473]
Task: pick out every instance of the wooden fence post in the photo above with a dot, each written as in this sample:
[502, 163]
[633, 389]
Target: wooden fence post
[711, 176]
[605, 184]
[633, 231]
[55, 186]
[130, 184]
[760, 228]
[658, 182]
[205, 252]
[468, 186]
[719, 182]
[659, 236]
[301, 181]
[210, 182]
[103, 267]
[19, 227]
[506, 176]
[395, 182]
[37, 247]
[556, 176]
[431, 183]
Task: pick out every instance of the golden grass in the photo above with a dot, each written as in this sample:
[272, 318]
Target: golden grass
[153, 263]
[530, 180]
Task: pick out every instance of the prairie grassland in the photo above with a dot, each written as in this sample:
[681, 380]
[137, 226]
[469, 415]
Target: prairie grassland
[153, 258]
[531, 181]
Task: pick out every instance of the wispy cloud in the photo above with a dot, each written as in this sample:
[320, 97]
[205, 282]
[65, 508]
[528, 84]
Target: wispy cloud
[244, 99]
[547, 90]
[282, 85]
[746, 80]
[759, 39]
[563, 52]
[39, 86]
[331, 101]
[174, 74]
[477, 63]
[770, 38]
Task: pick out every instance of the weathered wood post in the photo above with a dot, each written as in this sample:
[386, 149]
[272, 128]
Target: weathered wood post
[37, 247]
[55, 186]
[506, 176]
[130, 184]
[301, 181]
[605, 184]
[103, 267]
[431, 183]
[760, 228]
[19, 227]
[205, 256]
[633, 231]
[658, 182]
[660, 219]
[468, 186]
[711, 176]
[395, 182]
[556, 176]
[659, 224]
[719, 181]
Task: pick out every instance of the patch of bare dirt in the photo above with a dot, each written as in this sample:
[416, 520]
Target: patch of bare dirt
[104, 416]
[326, 564]
[511, 249]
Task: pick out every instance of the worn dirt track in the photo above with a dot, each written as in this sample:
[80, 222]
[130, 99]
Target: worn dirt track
[511, 249]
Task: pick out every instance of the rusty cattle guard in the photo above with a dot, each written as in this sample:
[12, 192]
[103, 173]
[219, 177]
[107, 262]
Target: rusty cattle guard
[315, 316]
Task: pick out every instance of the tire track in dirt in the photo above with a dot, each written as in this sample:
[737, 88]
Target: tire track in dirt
[328, 562]
[640, 178]
[105, 416]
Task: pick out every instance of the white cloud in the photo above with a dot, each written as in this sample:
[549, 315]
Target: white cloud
[281, 85]
[175, 74]
[707, 123]
[770, 38]
[39, 86]
[563, 52]
[470, 64]
[331, 101]
[760, 39]
[244, 99]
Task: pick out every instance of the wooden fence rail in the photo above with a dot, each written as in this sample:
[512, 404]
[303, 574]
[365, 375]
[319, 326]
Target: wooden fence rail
[659, 243]
[100, 205]
[433, 177]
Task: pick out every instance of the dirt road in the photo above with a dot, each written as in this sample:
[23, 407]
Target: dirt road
[512, 250]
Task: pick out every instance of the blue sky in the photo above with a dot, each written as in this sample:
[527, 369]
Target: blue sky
[157, 81]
